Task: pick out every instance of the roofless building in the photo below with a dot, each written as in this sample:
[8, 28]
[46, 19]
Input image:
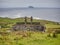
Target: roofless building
[28, 25]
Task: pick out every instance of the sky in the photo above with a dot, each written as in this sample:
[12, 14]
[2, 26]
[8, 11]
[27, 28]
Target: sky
[26, 3]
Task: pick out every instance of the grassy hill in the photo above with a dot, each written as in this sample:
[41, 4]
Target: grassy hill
[28, 37]
[9, 20]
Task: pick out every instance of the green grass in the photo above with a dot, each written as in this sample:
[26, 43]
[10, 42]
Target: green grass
[8, 20]
[27, 37]
[52, 26]
[36, 38]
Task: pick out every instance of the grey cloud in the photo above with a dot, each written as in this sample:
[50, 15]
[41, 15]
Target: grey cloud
[36, 3]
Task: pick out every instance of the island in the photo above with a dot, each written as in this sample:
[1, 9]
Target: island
[30, 7]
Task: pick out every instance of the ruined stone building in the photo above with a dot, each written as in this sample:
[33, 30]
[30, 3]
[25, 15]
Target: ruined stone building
[28, 25]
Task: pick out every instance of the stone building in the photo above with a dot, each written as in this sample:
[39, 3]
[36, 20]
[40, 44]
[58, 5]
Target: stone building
[28, 25]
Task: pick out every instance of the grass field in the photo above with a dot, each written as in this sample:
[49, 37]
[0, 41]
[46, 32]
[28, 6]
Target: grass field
[28, 38]
[8, 37]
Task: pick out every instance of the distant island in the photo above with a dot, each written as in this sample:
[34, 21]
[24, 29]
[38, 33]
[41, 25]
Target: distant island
[30, 7]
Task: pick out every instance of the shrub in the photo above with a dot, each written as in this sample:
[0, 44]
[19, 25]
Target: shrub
[54, 35]
[57, 31]
[49, 35]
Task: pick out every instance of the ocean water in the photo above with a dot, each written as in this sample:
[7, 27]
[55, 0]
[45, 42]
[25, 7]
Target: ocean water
[52, 14]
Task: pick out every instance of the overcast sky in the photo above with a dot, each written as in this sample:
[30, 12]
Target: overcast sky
[25, 3]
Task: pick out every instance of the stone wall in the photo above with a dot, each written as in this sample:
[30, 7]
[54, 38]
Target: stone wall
[28, 27]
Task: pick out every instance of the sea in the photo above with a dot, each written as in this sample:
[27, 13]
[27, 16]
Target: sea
[51, 14]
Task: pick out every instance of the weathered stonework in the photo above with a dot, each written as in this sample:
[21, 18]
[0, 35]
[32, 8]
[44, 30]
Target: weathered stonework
[28, 25]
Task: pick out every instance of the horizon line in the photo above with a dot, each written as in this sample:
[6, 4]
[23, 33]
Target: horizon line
[33, 7]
